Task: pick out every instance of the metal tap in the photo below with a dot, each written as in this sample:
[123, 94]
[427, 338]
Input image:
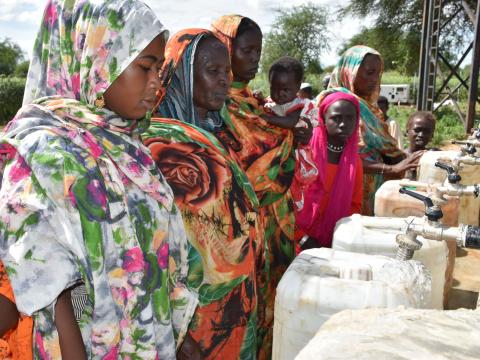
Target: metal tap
[451, 187]
[429, 227]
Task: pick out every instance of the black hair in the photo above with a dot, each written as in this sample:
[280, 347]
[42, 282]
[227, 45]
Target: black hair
[287, 64]
[427, 115]
[382, 99]
[247, 24]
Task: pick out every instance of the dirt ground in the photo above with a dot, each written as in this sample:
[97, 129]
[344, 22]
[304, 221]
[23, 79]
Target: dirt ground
[466, 280]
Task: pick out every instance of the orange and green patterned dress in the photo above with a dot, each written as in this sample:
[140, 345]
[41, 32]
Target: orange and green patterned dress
[266, 154]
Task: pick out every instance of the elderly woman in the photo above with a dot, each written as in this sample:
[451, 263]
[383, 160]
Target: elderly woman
[359, 71]
[214, 195]
[266, 154]
[82, 200]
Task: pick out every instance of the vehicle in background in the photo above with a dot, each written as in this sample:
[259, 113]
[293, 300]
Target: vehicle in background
[396, 93]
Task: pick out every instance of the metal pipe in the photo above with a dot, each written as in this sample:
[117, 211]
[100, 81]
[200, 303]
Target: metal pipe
[459, 190]
[473, 91]
[424, 56]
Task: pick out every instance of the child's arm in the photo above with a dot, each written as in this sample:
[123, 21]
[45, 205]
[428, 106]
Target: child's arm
[70, 337]
[8, 315]
[285, 122]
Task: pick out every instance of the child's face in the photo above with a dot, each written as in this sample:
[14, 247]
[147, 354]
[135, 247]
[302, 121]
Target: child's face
[283, 87]
[420, 132]
[305, 93]
[383, 106]
[340, 120]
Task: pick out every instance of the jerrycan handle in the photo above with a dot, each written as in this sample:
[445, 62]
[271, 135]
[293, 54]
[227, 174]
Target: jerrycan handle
[432, 212]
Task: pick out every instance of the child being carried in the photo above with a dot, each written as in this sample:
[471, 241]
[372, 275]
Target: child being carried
[285, 77]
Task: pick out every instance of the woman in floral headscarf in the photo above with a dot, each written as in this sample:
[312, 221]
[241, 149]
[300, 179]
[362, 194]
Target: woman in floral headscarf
[359, 71]
[81, 198]
[266, 154]
[214, 195]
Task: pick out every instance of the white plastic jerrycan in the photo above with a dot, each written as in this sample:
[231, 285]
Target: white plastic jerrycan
[469, 210]
[390, 203]
[377, 236]
[321, 282]
[397, 334]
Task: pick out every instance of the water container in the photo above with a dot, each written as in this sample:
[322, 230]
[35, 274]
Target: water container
[397, 334]
[469, 211]
[377, 236]
[390, 203]
[322, 282]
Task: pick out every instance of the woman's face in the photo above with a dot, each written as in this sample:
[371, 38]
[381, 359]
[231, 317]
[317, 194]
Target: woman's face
[368, 76]
[340, 120]
[211, 80]
[134, 92]
[247, 49]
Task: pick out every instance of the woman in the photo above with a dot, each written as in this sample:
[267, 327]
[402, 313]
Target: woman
[214, 195]
[359, 70]
[82, 200]
[337, 190]
[266, 154]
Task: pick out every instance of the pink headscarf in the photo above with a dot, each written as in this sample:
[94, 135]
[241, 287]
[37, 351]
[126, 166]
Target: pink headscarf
[309, 219]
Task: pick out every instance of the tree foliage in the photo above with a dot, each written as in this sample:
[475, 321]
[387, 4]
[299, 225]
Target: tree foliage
[400, 49]
[10, 55]
[397, 29]
[11, 96]
[300, 32]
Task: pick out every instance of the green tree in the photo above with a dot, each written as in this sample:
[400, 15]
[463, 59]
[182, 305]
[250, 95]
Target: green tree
[21, 70]
[300, 32]
[10, 55]
[399, 24]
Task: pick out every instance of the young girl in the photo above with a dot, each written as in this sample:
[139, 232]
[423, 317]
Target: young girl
[81, 198]
[337, 190]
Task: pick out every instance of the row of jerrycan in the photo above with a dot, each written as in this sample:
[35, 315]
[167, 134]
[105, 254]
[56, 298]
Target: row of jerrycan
[377, 235]
[456, 210]
[321, 282]
[464, 210]
[360, 271]
[397, 334]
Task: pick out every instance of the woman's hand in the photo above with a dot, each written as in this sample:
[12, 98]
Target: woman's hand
[258, 95]
[189, 350]
[303, 135]
[409, 163]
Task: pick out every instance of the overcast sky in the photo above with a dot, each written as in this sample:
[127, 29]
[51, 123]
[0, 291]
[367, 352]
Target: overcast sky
[19, 19]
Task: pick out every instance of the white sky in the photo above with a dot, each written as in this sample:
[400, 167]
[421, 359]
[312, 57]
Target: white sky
[19, 19]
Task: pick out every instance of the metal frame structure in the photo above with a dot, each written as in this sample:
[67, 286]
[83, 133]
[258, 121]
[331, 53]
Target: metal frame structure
[430, 57]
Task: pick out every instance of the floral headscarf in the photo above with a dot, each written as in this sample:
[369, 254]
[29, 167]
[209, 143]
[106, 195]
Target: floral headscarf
[83, 46]
[178, 76]
[82, 199]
